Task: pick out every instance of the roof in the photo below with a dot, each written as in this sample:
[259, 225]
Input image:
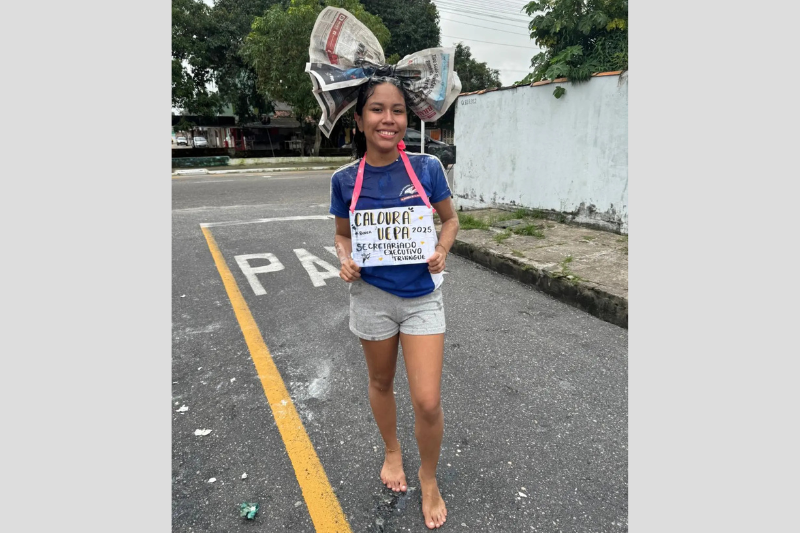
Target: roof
[282, 106]
[221, 121]
[274, 122]
[538, 83]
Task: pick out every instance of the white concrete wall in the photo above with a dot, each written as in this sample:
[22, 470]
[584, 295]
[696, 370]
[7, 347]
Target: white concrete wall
[522, 147]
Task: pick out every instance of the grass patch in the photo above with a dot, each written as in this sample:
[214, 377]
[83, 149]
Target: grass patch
[528, 213]
[500, 237]
[567, 273]
[589, 238]
[517, 253]
[624, 239]
[470, 222]
[531, 230]
[494, 219]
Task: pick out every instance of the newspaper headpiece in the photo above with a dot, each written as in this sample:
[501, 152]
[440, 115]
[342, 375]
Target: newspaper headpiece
[344, 54]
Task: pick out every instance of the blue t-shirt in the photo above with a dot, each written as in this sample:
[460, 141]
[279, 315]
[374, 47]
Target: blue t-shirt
[385, 187]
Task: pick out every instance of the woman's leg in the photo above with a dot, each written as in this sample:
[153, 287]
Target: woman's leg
[381, 359]
[423, 355]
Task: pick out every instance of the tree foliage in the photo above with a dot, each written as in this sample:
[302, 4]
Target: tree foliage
[277, 49]
[578, 38]
[474, 75]
[414, 25]
[236, 80]
[208, 70]
[192, 70]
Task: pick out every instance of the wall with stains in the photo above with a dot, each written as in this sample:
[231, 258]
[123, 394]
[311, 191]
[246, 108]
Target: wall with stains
[522, 147]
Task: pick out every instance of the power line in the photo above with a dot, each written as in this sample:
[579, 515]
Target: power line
[484, 27]
[484, 17]
[511, 3]
[478, 5]
[489, 42]
[504, 7]
[478, 18]
[480, 9]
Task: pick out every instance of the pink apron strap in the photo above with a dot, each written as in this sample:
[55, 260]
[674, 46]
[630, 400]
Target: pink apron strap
[359, 182]
[415, 180]
[411, 174]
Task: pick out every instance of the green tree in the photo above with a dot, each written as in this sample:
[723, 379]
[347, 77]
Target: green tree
[230, 23]
[474, 75]
[192, 71]
[277, 49]
[413, 24]
[578, 37]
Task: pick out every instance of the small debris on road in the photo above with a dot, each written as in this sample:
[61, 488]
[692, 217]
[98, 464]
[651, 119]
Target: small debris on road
[248, 510]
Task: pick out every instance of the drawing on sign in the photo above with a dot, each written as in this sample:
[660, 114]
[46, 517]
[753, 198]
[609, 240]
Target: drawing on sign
[392, 236]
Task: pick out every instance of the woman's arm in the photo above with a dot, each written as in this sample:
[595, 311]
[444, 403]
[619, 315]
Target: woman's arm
[447, 235]
[349, 270]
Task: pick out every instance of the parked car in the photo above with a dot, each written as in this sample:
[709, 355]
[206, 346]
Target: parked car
[200, 142]
[181, 141]
[413, 140]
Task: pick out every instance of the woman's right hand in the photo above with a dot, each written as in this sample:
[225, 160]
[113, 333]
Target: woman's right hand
[349, 271]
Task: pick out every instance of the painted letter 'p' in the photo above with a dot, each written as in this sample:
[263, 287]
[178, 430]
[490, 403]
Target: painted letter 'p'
[250, 272]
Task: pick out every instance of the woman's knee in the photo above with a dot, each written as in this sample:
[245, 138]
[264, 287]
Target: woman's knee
[381, 382]
[428, 408]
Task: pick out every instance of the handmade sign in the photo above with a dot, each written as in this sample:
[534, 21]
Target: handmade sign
[392, 236]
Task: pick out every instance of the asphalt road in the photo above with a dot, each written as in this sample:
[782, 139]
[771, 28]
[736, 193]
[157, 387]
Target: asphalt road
[534, 391]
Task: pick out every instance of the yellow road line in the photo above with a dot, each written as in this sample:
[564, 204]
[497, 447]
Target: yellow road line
[323, 506]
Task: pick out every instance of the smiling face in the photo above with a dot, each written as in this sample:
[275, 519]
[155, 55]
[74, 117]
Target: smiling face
[383, 119]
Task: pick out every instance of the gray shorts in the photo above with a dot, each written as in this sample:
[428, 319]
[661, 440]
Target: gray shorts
[376, 315]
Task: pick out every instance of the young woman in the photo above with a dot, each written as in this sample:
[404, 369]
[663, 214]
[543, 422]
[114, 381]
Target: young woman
[398, 304]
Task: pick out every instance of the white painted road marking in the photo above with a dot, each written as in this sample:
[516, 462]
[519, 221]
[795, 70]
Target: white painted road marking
[309, 261]
[262, 220]
[250, 272]
[318, 269]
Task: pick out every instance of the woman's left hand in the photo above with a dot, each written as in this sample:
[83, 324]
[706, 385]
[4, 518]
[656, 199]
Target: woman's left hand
[437, 260]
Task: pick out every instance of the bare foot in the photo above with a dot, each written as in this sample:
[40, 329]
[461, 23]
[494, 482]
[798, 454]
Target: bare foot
[433, 508]
[392, 473]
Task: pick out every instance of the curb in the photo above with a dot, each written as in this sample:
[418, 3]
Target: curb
[248, 170]
[607, 307]
[190, 171]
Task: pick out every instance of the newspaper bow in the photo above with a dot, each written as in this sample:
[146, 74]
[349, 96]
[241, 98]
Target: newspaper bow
[344, 54]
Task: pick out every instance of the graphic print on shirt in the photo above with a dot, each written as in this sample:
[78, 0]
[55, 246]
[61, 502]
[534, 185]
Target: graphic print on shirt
[408, 193]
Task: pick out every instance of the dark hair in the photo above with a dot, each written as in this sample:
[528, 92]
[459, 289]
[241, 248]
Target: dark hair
[367, 90]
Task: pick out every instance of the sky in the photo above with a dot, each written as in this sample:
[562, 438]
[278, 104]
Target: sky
[495, 31]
